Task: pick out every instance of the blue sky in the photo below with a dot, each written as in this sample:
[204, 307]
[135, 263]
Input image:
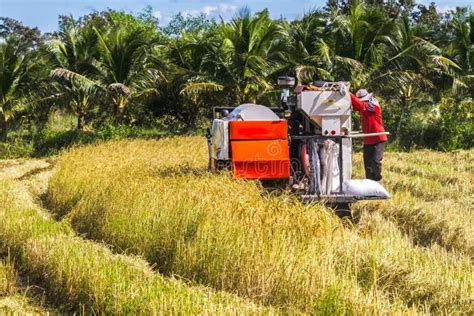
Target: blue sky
[44, 13]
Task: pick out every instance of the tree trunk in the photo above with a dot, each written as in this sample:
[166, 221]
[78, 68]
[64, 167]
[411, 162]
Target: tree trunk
[4, 131]
[81, 121]
[119, 116]
[119, 113]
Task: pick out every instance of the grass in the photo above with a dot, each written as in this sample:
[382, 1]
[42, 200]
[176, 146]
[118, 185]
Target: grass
[155, 199]
[87, 277]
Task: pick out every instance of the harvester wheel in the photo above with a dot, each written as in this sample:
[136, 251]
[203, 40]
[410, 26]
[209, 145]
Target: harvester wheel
[221, 165]
[343, 210]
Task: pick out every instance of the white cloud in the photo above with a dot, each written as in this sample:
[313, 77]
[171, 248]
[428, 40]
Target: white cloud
[158, 15]
[211, 10]
[163, 17]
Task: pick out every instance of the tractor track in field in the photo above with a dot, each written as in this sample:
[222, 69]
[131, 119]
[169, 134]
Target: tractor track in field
[20, 170]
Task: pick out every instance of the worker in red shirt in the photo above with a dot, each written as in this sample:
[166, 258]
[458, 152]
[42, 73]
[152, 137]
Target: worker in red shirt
[371, 115]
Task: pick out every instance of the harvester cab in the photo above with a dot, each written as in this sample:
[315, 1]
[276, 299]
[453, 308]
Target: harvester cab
[306, 140]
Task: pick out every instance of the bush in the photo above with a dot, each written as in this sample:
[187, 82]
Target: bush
[52, 142]
[448, 127]
[456, 124]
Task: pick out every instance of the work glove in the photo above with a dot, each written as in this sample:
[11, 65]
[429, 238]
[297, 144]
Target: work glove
[342, 88]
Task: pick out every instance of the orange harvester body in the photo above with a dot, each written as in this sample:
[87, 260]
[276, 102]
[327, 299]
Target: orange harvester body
[259, 149]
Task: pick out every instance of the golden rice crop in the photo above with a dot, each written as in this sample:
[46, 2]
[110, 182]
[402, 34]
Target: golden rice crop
[7, 278]
[15, 301]
[87, 277]
[155, 198]
[432, 197]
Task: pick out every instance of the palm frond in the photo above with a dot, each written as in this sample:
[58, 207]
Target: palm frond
[194, 88]
[78, 80]
[119, 88]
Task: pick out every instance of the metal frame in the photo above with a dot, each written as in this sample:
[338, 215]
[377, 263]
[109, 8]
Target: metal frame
[336, 198]
[340, 158]
[339, 197]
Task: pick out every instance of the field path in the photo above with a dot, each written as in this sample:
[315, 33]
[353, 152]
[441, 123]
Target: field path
[17, 169]
[31, 178]
[33, 174]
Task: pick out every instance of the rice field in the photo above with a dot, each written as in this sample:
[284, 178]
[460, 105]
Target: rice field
[15, 298]
[155, 201]
[432, 197]
[88, 278]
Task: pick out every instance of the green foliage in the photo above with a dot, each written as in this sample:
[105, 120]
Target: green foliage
[16, 68]
[118, 65]
[16, 148]
[27, 37]
[52, 142]
[447, 126]
[456, 124]
[188, 24]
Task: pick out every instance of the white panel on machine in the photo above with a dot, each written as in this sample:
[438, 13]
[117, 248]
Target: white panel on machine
[252, 112]
[331, 125]
[331, 111]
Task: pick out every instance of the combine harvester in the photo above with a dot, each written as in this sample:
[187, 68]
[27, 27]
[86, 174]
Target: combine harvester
[306, 141]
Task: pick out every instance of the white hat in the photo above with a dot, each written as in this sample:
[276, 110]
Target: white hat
[364, 95]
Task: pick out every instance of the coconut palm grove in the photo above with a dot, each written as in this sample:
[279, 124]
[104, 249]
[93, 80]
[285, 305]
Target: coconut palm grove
[115, 74]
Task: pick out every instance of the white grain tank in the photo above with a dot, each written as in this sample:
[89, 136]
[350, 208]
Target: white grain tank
[252, 112]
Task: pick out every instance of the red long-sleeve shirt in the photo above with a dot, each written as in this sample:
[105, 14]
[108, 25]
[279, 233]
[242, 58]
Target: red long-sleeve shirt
[371, 120]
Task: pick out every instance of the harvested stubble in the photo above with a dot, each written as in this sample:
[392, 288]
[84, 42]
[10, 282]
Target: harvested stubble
[87, 277]
[432, 197]
[155, 198]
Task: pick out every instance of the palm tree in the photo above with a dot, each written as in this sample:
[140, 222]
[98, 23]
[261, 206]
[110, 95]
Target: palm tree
[73, 55]
[461, 50]
[123, 65]
[408, 65]
[245, 54]
[187, 90]
[15, 69]
[371, 50]
[307, 48]
[359, 40]
[341, 46]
